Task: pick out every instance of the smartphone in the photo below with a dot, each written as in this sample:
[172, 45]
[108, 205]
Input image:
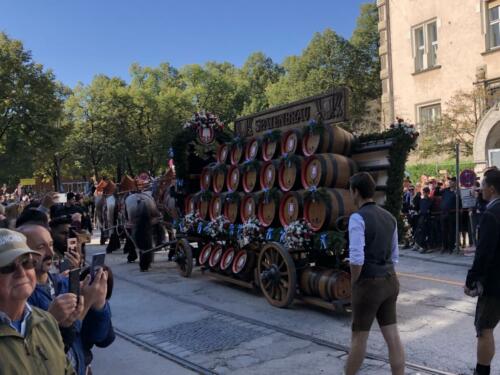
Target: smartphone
[74, 282]
[61, 198]
[72, 244]
[64, 265]
[97, 262]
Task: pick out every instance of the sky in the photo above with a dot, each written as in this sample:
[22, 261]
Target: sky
[78, 39]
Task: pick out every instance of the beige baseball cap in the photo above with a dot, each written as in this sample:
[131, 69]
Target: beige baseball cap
[12, 245]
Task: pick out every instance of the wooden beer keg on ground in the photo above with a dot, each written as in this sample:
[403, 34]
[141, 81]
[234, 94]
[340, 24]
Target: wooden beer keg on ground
[289, 173]
[270, 147]
[290, 142]
[233, 178]
[215, 206]
[268, 174]
[323, 208]
[222, 153]
[250, 178]
[291, 207]
[231, 207]
[206, 176]
[268, 208]
[219, 178]
[328, 170]
[309, 281]
[236, 153]
[334, 285]
[248, 207]
[252, 149]
[327, 139]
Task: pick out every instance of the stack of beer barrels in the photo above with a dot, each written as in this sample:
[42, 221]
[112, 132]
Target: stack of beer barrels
[304, 174]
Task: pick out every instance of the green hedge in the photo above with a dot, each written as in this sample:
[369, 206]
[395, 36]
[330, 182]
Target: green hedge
[432, 169]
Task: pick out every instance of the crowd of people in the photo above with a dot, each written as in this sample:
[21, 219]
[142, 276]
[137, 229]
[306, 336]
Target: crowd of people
[46, 327]
[429, 208]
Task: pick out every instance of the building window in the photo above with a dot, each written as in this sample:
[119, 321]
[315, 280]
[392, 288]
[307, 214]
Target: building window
[425, 41]
[494, 25]
[428, 115]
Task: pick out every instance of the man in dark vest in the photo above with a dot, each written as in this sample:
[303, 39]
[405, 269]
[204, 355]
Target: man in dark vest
[483, 279]
[373, 251]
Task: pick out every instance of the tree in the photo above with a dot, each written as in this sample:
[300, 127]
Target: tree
[457, 124]
[31, 103]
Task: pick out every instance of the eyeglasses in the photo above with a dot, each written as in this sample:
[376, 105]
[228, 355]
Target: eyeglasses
[28, 263]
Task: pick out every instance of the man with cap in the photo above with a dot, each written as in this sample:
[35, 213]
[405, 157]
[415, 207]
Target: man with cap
[30, 342]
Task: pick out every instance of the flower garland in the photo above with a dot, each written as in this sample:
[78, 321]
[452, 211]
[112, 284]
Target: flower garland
[204, 119]
[190, 221]
[408, 129]
[298, 234]
[217, 227]
[252, 231]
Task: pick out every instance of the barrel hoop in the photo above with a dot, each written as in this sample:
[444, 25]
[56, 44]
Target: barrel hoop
[322, 178]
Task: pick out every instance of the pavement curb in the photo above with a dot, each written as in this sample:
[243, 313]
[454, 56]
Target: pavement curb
[440, 261]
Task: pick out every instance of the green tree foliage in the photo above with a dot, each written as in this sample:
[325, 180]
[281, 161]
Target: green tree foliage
[31, 102]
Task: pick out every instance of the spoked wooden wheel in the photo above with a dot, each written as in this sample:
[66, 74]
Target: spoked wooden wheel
[277, 274]
[184, 257]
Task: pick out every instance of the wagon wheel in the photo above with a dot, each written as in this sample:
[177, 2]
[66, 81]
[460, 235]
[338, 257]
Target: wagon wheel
[184, 257]
[277, 275]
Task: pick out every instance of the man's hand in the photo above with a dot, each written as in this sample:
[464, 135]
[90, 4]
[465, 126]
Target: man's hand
[49, 200]
[62, 308]
[477, 291]
[74, 258]
[77, 314]
[95, 293]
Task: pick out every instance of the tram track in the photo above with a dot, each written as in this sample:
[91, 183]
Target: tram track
[421, 369]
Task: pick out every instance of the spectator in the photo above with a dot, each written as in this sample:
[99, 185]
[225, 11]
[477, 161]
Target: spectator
[32, 216]
[86, 221]
[483, 279]
[60, 230]
[476, 213]
[448, 219]
[424, 222]
[68, 208]
[30, 341]
[96, 327]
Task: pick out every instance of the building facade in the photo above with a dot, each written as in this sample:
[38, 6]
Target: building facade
[430, 50]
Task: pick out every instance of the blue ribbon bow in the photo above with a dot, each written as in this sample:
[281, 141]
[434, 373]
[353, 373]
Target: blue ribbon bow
[323, 240]
[200, 227]
[282, 235]
[240, 230]
[269, 234]
[231, 229]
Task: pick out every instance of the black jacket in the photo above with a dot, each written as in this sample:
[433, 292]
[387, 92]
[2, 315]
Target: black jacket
[486, 266]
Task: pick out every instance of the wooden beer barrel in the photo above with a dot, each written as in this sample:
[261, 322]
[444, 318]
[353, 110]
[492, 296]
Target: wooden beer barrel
[248, 207]
[327, 139]
[189, 204]
[200, 205]
[252, 149]
[291, 207]
[309, 281]
[215, 206]
[244, 264]
[289, 175]
[269, 150]
[327, 170]
[222, 153]
[206, 177]
[322, 211]
[334, 285]
[215, 257]
[205, 253]
[268, 210]
[226, 261]
[290, 142]
[231, 208]
[250, 178]
[236, 153]
[268, 174]
[233, 178]
[219, 178]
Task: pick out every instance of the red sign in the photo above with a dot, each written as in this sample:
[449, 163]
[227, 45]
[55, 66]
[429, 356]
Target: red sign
[206, 135]
[467, 178]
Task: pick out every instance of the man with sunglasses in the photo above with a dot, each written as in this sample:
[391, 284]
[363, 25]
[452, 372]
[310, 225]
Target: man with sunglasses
[30, 343]
[89, 319]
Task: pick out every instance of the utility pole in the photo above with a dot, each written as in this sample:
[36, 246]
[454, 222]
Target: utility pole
[457, 199]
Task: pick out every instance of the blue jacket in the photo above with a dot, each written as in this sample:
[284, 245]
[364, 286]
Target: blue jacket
[95, 329]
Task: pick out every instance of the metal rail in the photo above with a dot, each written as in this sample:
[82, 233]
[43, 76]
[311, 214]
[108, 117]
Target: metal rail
[298, 335]
[163, 353]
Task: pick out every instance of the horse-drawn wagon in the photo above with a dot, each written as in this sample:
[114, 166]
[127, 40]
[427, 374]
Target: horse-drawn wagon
[271, 212]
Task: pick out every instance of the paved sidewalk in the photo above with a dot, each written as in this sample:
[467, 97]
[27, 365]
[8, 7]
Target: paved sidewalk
[437, 257]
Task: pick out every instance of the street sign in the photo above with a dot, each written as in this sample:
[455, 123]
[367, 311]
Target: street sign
[27, 181]
[467, 178]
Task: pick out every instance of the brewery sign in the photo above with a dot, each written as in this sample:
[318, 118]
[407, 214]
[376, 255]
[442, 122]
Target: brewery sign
[330, 107]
